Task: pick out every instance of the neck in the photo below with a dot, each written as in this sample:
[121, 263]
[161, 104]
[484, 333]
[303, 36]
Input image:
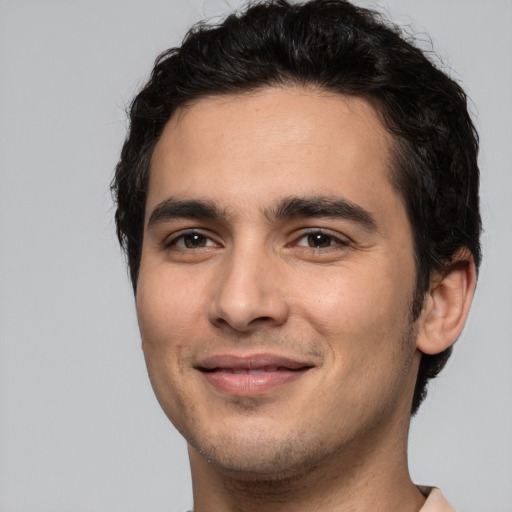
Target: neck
[372, 475]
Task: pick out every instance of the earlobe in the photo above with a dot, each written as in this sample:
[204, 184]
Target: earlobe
[447, 304]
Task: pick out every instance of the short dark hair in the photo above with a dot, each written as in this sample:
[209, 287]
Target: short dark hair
[338, 47]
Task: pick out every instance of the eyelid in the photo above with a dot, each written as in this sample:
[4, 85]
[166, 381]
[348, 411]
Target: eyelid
[343, 240]
[171, 240]
[340, 238]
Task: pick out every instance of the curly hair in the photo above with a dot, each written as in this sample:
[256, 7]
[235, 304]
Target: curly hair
[338, 47]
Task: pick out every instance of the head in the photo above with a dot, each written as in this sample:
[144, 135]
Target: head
[336, 48]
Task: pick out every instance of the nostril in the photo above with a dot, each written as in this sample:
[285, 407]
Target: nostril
[244, 304]
[262, 319]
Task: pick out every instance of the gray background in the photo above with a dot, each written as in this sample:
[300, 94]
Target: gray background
[80, 429]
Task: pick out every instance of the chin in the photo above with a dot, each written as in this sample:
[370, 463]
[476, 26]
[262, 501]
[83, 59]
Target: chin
[256, 456]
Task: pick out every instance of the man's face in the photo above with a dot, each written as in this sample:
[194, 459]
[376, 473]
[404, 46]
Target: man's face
[276, 280]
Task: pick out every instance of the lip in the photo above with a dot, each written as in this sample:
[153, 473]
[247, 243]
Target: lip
[251, 375]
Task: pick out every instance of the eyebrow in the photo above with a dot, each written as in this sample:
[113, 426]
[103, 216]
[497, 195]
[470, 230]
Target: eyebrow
[322, 206]
[287, 208]
[173, 208]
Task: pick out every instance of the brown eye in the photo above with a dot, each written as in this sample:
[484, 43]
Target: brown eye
[192, 241]
[319, 240]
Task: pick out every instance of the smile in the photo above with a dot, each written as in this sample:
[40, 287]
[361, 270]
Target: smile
[249, 376]
[249, 371]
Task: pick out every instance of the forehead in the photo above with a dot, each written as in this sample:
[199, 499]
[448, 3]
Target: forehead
[247, 148]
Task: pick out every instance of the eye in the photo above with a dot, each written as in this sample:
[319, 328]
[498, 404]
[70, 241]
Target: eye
[319, 240]
[192, 240]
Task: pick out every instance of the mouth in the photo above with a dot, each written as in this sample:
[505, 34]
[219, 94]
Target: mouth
[253, 375]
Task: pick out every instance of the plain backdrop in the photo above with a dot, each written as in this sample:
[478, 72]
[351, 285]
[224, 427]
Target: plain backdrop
[80, 429]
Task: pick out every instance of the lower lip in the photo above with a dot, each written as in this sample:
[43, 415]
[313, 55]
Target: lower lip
[251, 384]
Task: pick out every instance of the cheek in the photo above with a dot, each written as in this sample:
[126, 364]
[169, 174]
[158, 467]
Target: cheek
[168, 306]
[353, 299]
[362, 313]
[364, 322]
[167, 316]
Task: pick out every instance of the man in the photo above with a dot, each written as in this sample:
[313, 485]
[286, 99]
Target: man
[298, 199]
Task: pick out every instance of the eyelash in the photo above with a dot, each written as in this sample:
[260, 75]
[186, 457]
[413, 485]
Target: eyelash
[333, 240]
[192, 233]
[338, 241]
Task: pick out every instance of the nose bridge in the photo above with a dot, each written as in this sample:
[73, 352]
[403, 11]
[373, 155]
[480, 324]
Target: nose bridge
[247, 290]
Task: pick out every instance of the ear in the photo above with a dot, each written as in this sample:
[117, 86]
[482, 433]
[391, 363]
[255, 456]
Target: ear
[447, 304]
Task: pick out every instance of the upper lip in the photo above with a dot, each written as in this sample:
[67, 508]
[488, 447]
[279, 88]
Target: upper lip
[251, 362]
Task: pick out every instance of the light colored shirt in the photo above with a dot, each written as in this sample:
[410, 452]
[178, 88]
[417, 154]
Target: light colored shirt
[436, 502]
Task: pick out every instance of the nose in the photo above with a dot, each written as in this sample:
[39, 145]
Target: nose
[247, 294]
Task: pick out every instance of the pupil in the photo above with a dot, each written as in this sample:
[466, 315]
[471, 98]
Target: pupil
[196, 240]
[319, 240]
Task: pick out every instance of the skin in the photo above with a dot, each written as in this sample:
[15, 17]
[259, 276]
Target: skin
[332, 291]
